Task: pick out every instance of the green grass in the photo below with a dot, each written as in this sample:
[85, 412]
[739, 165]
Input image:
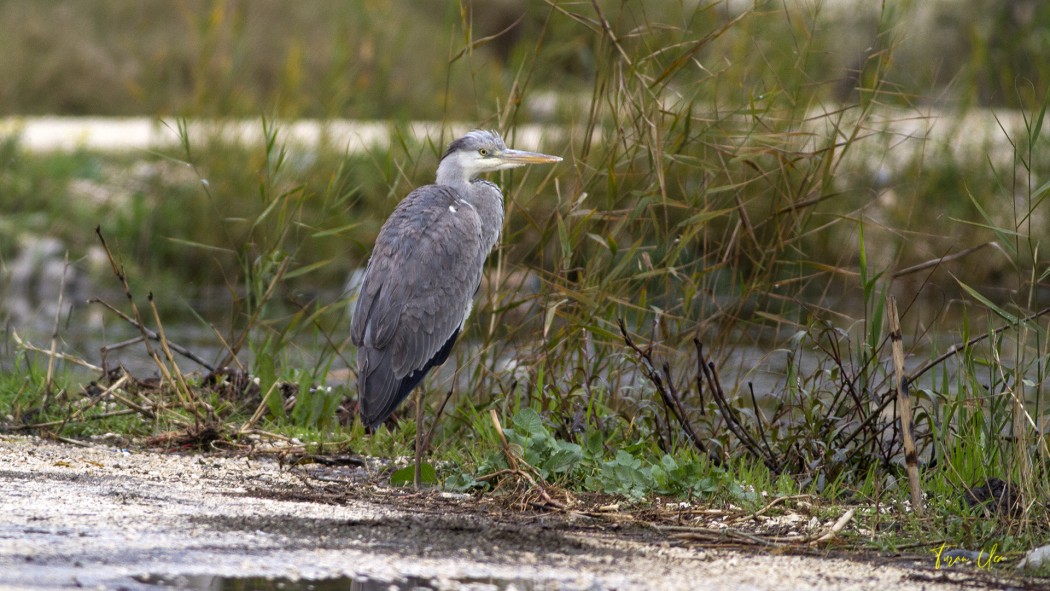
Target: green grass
[715, 188]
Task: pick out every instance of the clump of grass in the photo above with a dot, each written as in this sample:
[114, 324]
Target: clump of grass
[694, 219]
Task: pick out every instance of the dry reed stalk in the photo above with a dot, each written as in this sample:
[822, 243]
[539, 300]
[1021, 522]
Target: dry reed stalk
[24, 344]
[259, 410]
[54, 336]
[118, 270]
[512, 461]
[189, 399]
[911, 457]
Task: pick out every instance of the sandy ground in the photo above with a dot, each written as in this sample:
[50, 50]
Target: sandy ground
[105, 518]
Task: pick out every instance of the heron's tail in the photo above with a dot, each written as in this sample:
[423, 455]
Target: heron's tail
[379, 390]
[377, 387]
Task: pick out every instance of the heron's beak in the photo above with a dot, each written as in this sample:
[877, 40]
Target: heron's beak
[521, 157]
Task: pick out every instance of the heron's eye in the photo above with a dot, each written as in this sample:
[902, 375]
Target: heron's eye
[483, 152]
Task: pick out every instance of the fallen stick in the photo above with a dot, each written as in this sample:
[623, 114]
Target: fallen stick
[836, 528]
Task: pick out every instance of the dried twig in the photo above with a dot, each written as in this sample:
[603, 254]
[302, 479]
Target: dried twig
[52, 354]
[706, 373]
[733, 421]
[118, 270]
[58, 355]
[932, 263]
[957, 349]
[911, 457]
[667, 392]
[705, 534]
[769, 506]
[147, 333]
[148, 410]
[758, 419]
[515, 468]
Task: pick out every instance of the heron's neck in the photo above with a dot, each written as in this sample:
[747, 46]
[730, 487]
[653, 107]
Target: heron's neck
[487, 201]
[451, 173]
[485, 197]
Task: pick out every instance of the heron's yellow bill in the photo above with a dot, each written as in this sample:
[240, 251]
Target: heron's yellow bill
[523, 157]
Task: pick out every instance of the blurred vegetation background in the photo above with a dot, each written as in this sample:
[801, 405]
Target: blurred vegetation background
[757, 176]
[727, 82]
[459, 60]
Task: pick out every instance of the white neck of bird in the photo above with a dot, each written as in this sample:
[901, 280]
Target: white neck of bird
[454, 170]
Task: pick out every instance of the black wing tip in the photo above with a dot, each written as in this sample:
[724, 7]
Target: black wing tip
[386, 392]
[387, 401]
[370, 426]
[372, 421]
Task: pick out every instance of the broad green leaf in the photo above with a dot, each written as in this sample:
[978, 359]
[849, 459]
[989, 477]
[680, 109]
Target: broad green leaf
[406, 476]
[528, 421]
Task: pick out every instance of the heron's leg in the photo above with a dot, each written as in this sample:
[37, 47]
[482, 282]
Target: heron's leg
[417, 475]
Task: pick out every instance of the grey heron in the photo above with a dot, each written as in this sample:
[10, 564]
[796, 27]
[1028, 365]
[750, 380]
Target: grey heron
[425, 269]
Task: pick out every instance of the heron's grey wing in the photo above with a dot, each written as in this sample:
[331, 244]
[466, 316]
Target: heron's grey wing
[416, 293]
[424, 270]
[380, 392]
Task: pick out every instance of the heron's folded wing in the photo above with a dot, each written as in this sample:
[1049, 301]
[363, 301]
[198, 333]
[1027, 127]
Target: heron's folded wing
[420, 280]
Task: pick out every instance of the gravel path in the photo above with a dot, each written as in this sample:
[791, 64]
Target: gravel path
[103, 518]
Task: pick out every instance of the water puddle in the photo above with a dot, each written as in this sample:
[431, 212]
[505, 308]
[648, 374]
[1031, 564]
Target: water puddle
[221, 583]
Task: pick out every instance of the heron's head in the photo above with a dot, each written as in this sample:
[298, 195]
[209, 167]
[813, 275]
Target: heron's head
[483, 151]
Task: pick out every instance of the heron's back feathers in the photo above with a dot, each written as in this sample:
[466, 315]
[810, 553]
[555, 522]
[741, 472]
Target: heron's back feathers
[416, 294]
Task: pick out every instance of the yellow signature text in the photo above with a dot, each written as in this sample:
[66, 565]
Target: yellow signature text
[946, 557]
